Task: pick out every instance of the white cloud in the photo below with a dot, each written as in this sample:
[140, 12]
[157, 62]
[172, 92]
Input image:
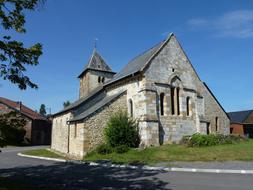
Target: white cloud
[238, 24]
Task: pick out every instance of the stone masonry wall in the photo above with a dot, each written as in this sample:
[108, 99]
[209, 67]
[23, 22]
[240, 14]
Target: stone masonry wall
[213, 111]
[93, 130]
[60, 133]
[171, 69]
[89, 81]
[76, 140]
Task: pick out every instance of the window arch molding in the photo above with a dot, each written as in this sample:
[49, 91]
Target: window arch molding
[131, 107]
[176, 91]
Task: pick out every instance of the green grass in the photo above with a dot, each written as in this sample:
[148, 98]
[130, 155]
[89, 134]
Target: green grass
[42, 153]
[242, 151]
[14, 184]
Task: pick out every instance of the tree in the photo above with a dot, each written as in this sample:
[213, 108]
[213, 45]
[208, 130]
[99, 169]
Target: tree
[11, 129]
[65, 104]
[14, 57]
[122, 130]
[43, 109]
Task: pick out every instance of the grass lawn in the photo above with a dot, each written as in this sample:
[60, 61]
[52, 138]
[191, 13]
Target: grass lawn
[242, 151]
[14, 184]
[42, 153]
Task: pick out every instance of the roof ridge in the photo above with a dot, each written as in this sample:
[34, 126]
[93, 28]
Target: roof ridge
[24, 109]
[241, 111]
[145, 51]
[139, 62]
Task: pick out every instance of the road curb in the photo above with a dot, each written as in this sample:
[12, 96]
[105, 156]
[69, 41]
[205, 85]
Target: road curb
[166, 169]
[42, 158]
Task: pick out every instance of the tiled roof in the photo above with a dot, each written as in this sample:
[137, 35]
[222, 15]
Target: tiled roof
[24, 109]
[96, 62]
[107, 99]
[239, 116]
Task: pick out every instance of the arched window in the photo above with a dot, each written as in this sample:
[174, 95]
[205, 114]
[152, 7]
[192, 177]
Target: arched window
[188, 106]
[162, 103]
[178, 102]
[131, 110]
[172, 100]
[99, 79]
[216, 124]
[103, 79]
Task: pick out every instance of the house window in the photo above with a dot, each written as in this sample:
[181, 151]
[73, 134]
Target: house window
[131, 112]
[162, 103]
[99, 79]
[172, 100]
[188, 106]
[216, 124]
[178, 102]
[75, 130]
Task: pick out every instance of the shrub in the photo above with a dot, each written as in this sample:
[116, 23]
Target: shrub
[199, 140]
[11, 129]
[121, 149]
[122, 130]
[104, 149]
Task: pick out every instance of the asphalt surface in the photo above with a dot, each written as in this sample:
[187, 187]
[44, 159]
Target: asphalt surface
[229, 165]
[53, 175]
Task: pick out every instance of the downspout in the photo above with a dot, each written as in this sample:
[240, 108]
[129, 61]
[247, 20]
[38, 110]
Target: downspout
[68, 135]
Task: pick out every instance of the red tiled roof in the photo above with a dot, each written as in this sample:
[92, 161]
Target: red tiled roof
[24, 110]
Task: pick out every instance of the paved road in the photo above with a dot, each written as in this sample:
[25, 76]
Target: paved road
[56, 176]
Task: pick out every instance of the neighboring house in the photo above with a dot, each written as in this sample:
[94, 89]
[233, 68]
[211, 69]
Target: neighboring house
[241, 123]
[38, 127]
[160, 88]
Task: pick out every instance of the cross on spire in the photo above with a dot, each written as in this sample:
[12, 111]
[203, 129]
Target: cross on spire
[95, 43]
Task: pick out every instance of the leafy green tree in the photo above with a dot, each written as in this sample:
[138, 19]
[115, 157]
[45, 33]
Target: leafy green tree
[14, 56]
[11, 129]
[65, 104]
[43, 109]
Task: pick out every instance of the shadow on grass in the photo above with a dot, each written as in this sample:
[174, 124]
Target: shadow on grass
[80, 176]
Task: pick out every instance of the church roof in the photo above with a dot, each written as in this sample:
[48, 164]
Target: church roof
[81, 101]
[138, 63]
[96, 62]
[95, 107]
[239, 116]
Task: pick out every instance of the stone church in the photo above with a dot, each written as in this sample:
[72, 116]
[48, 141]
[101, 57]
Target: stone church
[160, 88]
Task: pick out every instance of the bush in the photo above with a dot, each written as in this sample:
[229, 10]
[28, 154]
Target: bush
[122, 130]
[104, 149]
[199, 140]
[121, 149]
[11, 129]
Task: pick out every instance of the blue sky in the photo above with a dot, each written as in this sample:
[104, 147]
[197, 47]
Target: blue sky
[217, 36]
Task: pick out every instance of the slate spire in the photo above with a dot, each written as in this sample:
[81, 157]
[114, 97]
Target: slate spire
[96, 62]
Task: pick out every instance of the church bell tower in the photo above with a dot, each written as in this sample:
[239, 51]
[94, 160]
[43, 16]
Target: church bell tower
[95, 73]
